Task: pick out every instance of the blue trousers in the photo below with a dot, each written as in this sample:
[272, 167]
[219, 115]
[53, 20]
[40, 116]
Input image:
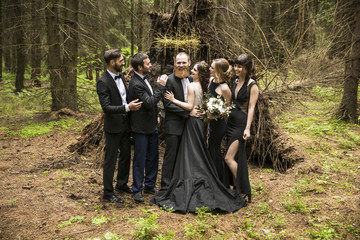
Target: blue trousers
[146, 158]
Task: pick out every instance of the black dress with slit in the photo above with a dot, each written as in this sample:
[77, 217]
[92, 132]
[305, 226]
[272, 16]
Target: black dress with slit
[195, 182]
[235, 129]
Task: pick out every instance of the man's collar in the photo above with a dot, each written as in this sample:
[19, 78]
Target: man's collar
[112, 74]
[140, 75]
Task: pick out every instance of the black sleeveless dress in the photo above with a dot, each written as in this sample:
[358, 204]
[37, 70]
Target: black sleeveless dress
[195, 183]
[217, 130]
[235, 130]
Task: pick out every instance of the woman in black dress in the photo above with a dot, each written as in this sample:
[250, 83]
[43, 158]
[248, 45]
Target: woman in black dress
[244, 95]
[220, 72]
[195, 183]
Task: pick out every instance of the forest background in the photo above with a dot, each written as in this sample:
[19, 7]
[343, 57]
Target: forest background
[307, 54]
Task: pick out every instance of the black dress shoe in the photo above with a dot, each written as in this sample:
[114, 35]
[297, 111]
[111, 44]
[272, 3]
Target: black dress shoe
[114, 199]
[124, 190]
[138, 197]
[150, 190]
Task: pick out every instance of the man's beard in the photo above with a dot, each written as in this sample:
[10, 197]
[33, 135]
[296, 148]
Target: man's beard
[118, 68]
[181, 72]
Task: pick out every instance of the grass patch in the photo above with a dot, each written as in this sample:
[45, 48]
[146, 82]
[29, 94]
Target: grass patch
[33, 129]
[76, 219]
[295, 206]
[38, 99]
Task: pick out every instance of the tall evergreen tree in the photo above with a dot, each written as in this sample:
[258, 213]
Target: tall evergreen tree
[349, 102]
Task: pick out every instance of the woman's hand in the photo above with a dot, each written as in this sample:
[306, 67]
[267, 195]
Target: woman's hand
[246, 134]
[169, 96]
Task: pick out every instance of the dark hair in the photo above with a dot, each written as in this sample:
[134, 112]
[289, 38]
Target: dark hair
[138, 60]
[246, 61]
[112, 54]
[204, 75]
[223, 71]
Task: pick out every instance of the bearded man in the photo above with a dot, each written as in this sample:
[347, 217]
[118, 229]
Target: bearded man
[114, 100]
[175, 116]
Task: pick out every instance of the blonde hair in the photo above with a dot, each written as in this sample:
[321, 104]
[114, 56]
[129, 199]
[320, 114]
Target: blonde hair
[223, 71]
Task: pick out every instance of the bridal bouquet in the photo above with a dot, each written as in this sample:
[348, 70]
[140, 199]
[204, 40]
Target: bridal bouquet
[215, 108]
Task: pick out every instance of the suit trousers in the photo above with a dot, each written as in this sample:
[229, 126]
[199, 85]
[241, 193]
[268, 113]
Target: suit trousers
[171, 150]
[146, 157]
[114, 142]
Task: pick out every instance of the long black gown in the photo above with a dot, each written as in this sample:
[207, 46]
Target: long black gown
[217, 130]
[195, 183]
[235, 130]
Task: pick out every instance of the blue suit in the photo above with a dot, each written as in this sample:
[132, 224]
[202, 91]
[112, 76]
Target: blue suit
[144, 128]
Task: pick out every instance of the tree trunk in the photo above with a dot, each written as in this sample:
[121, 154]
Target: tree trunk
[140, 25]
[132, 37]
[20, 47]
[1, 41]
[348, 106]
[6, 15]
[66, 92]
[54, 60]
[157, 5]
[36, 43]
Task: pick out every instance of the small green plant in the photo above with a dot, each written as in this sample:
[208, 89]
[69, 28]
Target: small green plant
[204, 220]
[44, 173]
[108, 236]
[12, 202]
[263, 208]
[249, 228]
[112, 236]
[352, 229]
[279, 221]
[355, 138]
[100, 220]
[296, 206]
[76, 219]
[258, 188]
[325, 232]
[346, 144]
[167, 209]
[146, 227]
[348, 186]
[97, 209]
[168, 236]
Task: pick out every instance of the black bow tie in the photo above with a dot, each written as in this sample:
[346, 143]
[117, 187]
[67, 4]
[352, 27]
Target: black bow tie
[116, 77]
[144, 78]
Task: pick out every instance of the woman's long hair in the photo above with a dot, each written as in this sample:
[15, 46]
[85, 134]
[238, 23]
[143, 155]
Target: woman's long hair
[204, 75]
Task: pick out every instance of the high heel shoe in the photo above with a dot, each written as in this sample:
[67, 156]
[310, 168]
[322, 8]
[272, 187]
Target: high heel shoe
[248, 196]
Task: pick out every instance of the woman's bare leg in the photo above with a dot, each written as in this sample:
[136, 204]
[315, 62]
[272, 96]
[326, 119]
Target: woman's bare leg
[230, 158]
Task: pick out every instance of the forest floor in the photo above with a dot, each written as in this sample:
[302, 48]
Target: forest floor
[47, 193]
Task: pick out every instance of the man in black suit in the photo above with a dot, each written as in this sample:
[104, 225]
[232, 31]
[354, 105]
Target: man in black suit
[113, 96]
[175, 116]
[144, 126]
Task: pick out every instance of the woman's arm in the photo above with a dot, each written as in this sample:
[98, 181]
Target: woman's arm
[226, 93]
[185, 105]
[254, 94]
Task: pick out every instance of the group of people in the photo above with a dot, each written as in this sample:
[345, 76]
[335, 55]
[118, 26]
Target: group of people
[194, 172]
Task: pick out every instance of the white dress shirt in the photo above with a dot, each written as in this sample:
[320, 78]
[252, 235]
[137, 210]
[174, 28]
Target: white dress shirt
[185, 82]
[146, 81]
[121, 87]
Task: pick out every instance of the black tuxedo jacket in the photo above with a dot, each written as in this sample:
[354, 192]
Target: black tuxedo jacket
[145, 119]
[116, 119]
[175, 116]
